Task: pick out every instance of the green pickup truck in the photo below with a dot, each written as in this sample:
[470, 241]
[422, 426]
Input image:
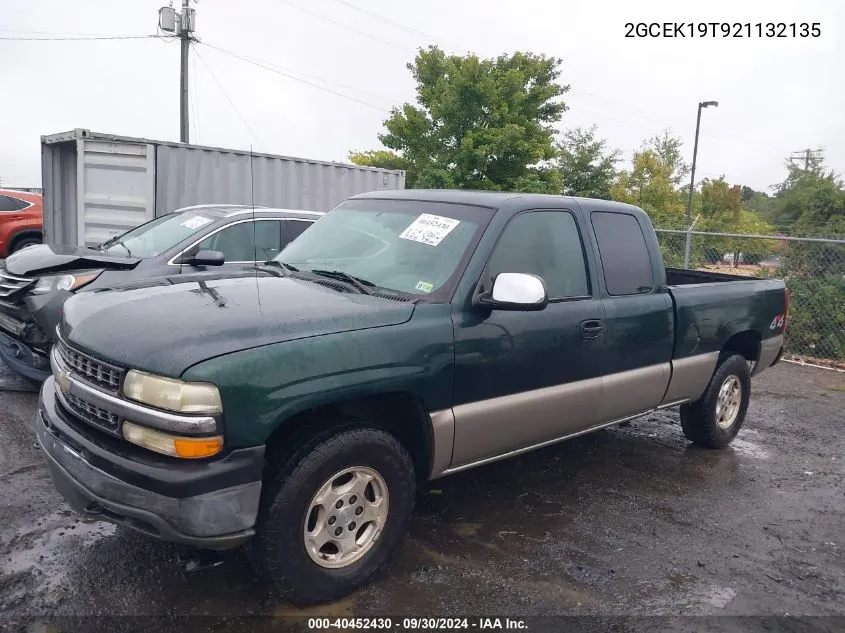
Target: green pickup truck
[405, 336]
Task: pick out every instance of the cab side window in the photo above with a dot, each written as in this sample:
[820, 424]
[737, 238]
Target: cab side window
[547, 244]
[624, 253]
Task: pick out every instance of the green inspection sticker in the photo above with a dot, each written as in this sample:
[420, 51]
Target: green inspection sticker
[424, 286]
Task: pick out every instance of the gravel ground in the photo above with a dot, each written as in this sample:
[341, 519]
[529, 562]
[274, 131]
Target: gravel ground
[630, 522]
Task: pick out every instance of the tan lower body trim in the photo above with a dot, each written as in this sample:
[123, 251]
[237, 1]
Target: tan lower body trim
[526, 449]
[769, 350]
[443, 440]
[491, 427]
[690, 377]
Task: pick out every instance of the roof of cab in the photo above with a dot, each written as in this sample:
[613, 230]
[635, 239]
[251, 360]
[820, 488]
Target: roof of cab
[493, 199]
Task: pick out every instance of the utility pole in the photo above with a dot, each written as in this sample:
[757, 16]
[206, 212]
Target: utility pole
[688, 245]
[806, 154]
[183, 25]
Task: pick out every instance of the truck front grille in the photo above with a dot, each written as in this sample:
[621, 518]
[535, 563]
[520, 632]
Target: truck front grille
[94, 415]
[91, 370]
[12, 284]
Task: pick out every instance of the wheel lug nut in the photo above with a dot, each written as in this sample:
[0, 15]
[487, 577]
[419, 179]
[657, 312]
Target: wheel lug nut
[352, 526]
[359, 511]
[339, 504]
[338, 531]
[332, 520]
[353, 499]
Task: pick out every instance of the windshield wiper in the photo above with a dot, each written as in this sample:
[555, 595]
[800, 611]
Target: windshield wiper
[125, 247]
[362, 285]
[282, 265]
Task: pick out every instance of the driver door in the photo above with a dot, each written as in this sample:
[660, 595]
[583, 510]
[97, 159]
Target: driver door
[525, 378]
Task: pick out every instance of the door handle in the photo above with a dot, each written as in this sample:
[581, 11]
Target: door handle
[591, 328]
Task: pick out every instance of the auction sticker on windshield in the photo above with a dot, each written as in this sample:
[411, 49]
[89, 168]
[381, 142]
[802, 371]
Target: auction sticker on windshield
[429, 229]
[195, 222]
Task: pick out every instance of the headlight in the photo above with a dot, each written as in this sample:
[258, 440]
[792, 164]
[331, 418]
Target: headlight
[166, 444]
[171, 394]
[64, 282]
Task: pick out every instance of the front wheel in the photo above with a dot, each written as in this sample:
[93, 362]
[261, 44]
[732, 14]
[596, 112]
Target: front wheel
[24, 243]
[715, 419]
[334, 514]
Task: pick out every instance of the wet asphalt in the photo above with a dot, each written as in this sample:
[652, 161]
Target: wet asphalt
[631, 521]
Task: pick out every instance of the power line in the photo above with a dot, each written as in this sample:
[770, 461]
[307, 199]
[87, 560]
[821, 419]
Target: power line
[283, 69]
[55, 33]
[393, 23]
[225, 94]
[663, 122]
[289, 76]
[347, 27]
[77, 39]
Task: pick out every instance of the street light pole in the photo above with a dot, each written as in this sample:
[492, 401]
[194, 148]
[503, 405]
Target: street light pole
[688, 245]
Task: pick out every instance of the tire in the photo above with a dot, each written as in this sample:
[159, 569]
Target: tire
[280, 550]
[23, 243]
[713, 422]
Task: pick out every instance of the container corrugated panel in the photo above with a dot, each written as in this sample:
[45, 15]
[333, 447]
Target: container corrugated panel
[118, 186]
[95, 186]
[188, 175]
[58, 178]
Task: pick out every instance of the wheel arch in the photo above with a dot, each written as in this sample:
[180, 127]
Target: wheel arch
[400, 413]
[22, 234]
[746, 344]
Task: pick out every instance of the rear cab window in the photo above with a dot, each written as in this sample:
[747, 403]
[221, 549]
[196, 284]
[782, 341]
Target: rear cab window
[624, 254]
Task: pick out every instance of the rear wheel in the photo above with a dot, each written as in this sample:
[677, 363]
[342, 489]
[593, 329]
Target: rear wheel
[334, 513]
[715, 419]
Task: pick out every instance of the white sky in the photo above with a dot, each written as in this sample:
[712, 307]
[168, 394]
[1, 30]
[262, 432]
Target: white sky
[776, 96]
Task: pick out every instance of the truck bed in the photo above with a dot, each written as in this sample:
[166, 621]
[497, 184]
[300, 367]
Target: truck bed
[685, 277]
[710, 308]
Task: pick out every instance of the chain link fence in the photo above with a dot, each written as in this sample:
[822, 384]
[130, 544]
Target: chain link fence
[813, 268]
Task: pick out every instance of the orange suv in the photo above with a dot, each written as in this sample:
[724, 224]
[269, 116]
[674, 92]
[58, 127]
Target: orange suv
[20, 220]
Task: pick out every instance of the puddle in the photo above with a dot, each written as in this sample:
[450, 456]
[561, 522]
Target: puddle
[344, 607]
[466, 530]
[749, 449]
[38, 552]
[718, 597]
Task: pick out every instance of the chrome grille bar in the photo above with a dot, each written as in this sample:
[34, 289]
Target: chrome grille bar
[89, 369]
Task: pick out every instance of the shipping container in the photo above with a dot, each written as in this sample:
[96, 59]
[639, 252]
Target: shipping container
[96, 185]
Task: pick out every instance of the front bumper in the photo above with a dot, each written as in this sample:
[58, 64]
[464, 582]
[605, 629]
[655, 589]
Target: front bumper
[23, 359]
[26, 330]
[163, 497]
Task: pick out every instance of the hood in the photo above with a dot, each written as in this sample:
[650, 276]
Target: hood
[165, 329]
[43, 259]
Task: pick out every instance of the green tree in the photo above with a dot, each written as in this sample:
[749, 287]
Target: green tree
[759, 202]
[385, 159]
[667, 149]
[649, 186]
[811, 199]
[587, 167]
[480, 123]
[720, 206]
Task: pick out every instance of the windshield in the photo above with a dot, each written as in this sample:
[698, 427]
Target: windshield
[155, 237]
[405, 245]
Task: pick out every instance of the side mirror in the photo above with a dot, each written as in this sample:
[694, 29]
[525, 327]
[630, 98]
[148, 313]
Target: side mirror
[206, 258]
[516, 291]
